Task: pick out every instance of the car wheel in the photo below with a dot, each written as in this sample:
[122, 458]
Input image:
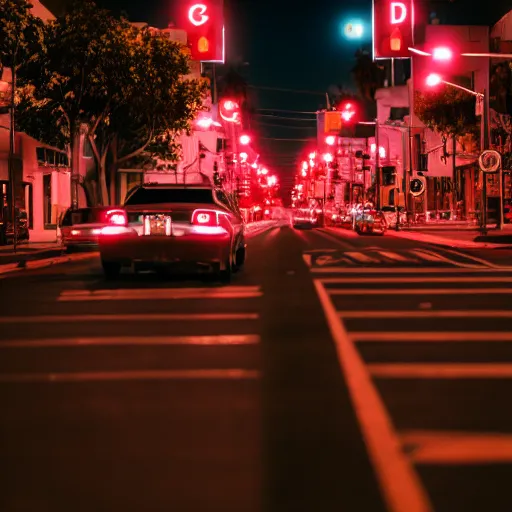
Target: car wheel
[111, 269]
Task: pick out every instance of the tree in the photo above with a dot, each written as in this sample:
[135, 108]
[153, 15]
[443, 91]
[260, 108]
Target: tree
[124, 85]
[368, 76]
[20, 34]
[449, 111]
[154, 105]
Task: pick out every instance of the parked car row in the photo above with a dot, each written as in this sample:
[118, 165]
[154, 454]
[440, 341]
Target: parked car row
[362, 219]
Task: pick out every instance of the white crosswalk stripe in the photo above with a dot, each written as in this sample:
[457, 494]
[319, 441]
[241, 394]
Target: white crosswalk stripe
[228, 292]
[338, 261]
[152, 337]
[381, 339]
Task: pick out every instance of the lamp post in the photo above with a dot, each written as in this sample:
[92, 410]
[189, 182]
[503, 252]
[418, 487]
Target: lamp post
[435, 79]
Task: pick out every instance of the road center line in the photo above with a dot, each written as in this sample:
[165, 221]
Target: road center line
[399, 482]
[139, 375]
[228, 339]
[150, 317]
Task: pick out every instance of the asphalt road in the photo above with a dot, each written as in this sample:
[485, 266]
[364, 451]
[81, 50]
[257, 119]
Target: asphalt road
[336, 372]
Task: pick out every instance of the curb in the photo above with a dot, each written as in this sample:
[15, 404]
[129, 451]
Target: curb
[35, 264]
[448, 242]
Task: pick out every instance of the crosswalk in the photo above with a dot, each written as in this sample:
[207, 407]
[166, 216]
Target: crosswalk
[141, 318]
[323, 261]
[428, 362]
[158, 386]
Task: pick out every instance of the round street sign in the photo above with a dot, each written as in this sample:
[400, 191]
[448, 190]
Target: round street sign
[489, 161]
[417, 187]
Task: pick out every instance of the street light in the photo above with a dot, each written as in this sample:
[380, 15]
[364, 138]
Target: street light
[442, 54]
[434, 80]
[330, 140]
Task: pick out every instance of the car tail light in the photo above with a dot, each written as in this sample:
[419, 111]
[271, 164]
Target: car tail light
[205, 218]
[209, 222]
[116, 217]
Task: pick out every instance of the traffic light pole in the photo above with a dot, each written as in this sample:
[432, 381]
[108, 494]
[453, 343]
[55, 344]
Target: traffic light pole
[377, 166]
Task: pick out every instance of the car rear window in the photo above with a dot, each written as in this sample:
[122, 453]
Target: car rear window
[170, 195]
[83, 216]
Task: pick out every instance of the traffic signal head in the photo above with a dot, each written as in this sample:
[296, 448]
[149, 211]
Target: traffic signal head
[348, 112]
[229, 110]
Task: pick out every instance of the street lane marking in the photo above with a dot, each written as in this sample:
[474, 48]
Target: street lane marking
[140, 375]
[397, 257]
[399, 482]
[471, 257]
[229, 292]
[440, 257]
[426, 256]
[420, 291]
[441, 370]
[228, 339]
[438, 447]
[426, 279]
[408, 270]
[427, 314]
[361, 257]
[307, 259]
[150, 317]
[430, 336]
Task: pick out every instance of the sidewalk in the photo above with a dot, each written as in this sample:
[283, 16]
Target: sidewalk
[29, 251]
[462, 236]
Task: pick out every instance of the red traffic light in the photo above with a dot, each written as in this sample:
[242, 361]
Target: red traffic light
[229, 111]
[348, 111]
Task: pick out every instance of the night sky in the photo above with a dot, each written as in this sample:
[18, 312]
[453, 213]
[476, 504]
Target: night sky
[298, 46]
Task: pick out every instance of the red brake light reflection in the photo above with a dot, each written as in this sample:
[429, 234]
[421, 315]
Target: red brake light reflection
[117, 217]
[203, 218]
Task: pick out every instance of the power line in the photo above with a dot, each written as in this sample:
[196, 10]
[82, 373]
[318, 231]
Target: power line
[311, 120]
[262, 123]
[285, 111]
[282, 89]
[296, 140]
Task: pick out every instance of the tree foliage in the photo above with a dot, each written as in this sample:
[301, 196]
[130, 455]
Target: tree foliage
[449, 111]
[368, 75]
[125, 85]
[21, 35]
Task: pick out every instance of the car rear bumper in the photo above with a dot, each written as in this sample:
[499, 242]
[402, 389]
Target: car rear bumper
[160, 250]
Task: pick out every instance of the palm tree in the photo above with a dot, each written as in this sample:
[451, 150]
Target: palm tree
[368, 75]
